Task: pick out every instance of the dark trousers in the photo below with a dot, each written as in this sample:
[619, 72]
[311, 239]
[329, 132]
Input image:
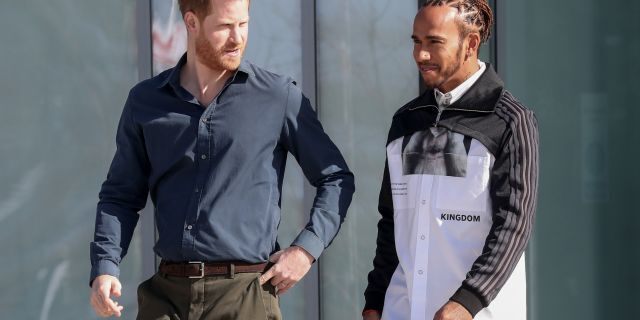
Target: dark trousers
[240, 297]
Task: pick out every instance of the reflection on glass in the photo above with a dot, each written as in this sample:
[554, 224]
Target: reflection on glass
[65, 74]
[365, 73]
[168, 34]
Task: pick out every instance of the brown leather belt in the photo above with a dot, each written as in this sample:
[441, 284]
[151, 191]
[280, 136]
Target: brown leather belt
[199, 269]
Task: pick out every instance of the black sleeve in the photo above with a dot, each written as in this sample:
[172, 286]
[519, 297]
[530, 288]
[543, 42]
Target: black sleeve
[514, 183]
[386, 259]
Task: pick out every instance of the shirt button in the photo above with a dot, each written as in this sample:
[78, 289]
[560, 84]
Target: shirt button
[204, 156]
[424, 201]
[189, 227]
[420, 272]
[422, 237]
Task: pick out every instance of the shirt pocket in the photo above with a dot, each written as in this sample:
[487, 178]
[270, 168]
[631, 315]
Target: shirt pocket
[469, 193]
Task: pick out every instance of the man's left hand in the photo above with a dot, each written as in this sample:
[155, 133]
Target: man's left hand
[452, 311]
[290, 266]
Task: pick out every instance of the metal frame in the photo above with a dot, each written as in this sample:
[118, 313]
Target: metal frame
[498, 49]
[312, 291]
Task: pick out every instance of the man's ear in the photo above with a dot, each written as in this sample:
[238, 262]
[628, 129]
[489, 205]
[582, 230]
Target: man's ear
[473, 45]
[191, 22]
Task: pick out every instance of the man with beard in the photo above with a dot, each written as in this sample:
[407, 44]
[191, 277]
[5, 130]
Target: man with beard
[450, 247]
[208, 139]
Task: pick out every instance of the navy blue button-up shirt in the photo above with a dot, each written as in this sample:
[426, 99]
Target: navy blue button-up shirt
[215, 173]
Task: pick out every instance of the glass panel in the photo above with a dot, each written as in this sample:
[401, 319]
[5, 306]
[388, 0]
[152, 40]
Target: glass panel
[270, 48]
[575, 63]
[168, 34]
[365, 73]
[65, 75]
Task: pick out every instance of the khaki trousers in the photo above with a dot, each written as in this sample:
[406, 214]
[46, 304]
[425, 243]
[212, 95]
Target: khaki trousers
[240, 297]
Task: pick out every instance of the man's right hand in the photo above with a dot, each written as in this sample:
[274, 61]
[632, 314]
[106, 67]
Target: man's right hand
[371, 316]
[101, 290]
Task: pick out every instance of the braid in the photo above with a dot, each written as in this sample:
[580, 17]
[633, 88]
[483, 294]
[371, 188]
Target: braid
[475, 14]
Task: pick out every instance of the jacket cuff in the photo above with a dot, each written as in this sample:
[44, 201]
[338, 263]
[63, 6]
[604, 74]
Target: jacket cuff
[376, 305]
[371, 311]
[310, 242]
[469, 300]
[104, 267]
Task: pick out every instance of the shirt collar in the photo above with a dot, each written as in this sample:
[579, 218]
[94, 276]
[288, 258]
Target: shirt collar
[173, 78]
[446, 99]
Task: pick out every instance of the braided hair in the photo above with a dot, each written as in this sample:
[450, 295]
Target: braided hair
[476, 15]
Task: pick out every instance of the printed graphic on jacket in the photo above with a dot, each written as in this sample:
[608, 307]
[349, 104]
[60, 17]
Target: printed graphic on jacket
[435, 151]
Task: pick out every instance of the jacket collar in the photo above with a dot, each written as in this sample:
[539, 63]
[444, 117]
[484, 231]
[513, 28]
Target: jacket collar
[483, 95]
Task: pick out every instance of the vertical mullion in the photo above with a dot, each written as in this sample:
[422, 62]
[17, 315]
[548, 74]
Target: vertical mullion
[309, 61]
[493, 41]
[147, 223]
[498, 48]
[312, 292]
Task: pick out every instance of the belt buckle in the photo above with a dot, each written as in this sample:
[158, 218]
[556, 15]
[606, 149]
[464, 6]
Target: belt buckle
[201, 265]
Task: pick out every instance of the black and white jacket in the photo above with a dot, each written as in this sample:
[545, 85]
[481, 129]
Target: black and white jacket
[457, 201]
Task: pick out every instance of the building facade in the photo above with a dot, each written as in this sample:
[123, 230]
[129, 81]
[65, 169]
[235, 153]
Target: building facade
[67, 67]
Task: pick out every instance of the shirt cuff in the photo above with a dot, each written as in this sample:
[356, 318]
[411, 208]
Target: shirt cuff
[468, 299]
[104, 267]
[310, 242]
